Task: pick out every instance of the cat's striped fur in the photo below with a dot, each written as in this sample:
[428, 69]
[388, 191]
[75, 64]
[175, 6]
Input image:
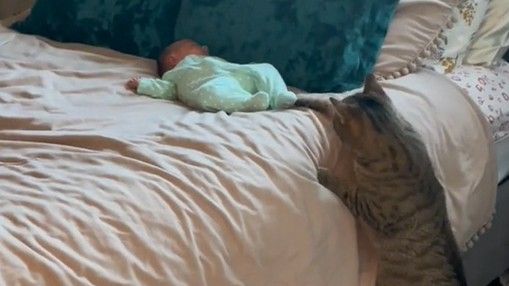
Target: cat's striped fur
[393, 188]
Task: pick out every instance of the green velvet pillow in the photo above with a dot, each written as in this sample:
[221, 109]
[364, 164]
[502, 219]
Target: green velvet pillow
[138, 27]
[317, 45]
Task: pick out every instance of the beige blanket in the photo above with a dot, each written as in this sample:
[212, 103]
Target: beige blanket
[102, 187]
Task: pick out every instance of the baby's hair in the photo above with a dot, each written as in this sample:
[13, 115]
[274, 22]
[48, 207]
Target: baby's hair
[160, 60]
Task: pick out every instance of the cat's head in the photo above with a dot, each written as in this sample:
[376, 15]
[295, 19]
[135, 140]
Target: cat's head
[366, 119]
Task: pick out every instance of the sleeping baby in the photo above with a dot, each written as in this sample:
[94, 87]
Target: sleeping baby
[209, 83]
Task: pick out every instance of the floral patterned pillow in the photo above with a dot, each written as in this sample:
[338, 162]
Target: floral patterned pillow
[489, 88]
[136, 27]
[469, 15]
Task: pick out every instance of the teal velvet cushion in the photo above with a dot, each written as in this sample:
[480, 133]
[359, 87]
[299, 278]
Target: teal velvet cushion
[317, 45]
[138, 27]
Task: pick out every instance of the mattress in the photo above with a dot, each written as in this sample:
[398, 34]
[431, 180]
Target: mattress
[103, 187]
[502, 153]
[489, 89]
[489, 256]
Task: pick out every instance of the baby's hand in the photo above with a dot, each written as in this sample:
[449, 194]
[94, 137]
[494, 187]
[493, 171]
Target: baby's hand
[132, 84]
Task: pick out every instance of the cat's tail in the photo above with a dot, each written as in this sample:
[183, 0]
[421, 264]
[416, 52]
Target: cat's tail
[454, 256]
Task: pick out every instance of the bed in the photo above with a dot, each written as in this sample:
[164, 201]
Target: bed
[102, 187]
[488, 255]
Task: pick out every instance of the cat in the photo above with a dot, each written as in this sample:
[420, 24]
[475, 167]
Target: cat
[390, 185]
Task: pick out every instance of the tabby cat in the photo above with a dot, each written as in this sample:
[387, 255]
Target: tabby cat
[392, 187]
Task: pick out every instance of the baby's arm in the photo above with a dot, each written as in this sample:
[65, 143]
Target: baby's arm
[157, 88]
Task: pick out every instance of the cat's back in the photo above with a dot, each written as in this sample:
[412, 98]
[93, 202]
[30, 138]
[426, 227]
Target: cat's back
[425, 241]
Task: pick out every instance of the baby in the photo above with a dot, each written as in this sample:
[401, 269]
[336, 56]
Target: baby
[209, 83]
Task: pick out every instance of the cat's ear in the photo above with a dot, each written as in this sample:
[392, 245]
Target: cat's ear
[341, 109]
[371, 86]
[347, 121]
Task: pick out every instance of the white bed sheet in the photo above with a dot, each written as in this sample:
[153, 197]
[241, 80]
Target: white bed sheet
[502, 153]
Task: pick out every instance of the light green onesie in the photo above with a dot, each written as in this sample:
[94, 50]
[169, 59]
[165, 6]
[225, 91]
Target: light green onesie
[212, 84]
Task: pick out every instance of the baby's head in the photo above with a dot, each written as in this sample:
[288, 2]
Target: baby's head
[176, 52]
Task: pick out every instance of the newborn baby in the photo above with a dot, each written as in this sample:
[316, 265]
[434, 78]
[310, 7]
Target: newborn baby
[209, 83]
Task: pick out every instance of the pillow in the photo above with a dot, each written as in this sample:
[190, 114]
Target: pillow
[492, 38]
[469, 15]
[136, 27]
[413, 35]
[317, 45]
[489, 88]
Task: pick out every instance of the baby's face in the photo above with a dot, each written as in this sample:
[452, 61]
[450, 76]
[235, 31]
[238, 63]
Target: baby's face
[177, 51]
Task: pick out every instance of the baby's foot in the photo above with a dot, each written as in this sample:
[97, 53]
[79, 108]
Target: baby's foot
[284, 99]
[259, 101]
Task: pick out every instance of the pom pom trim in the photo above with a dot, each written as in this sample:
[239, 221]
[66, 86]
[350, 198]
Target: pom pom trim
[432, 49]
